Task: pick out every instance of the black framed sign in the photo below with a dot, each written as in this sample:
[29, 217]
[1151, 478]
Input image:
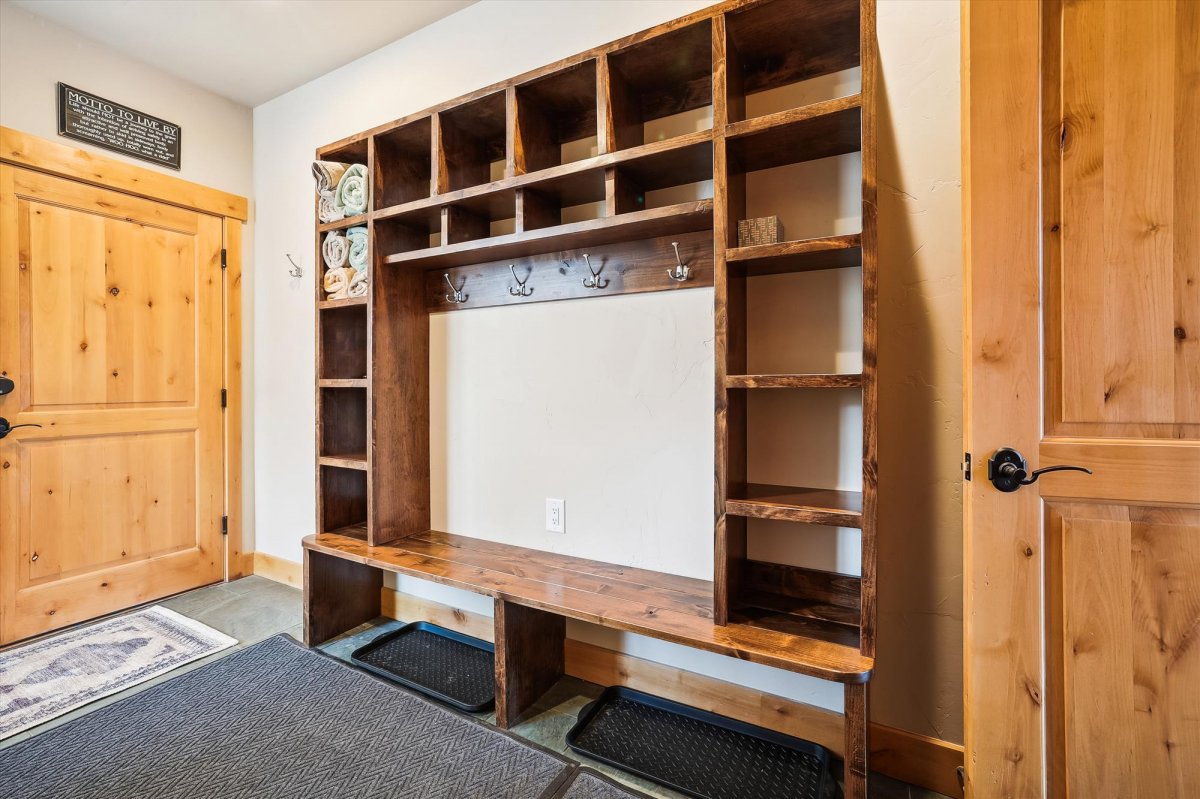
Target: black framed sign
[85, 117]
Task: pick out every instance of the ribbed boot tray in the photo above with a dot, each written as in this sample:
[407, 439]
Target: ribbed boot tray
[440, 663]
[699, 753]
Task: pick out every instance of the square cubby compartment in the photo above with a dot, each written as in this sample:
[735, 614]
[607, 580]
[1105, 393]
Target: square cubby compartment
[790, 54]
[343, 501]
[572, 198]
[408, 232]
[662, 87]
[343, 423]
[670, 177]
[485, 216]
[556, 119]
[343, 343]
[473, 143]
[403, 164]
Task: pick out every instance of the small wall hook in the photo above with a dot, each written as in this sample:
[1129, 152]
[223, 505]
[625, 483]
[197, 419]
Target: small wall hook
[458, 296]
[594, 281]
[681, 273]
[295, 271]
[521, 290]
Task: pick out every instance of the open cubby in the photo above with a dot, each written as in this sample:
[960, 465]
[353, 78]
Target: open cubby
[553, 113]
[343, 501]
[774, 45]
[481, 217]
[660, 78]
[739, 110]
[343, 341]
[569, 199]
[343, 427]
[411, 231]
[404, 164]
[472, 143]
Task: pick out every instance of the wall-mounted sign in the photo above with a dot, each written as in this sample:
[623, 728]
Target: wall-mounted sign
[101, 122]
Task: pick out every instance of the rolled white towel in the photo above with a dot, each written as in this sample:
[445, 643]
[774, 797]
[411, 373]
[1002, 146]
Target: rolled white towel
[358, 285]
[352, 190]
[335, 250]
[327, 208]
[337, 283]
[327, 174]
[357, 237]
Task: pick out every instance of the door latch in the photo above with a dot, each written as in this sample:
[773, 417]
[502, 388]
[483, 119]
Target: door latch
[1008, 470]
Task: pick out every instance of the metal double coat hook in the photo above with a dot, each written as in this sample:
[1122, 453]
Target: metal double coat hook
[520, 290]
[682, 273]
[593, 282]
[458, 296]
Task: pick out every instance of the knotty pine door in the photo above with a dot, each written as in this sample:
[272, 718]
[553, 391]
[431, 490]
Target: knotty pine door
[1082, 178]
[111, 329]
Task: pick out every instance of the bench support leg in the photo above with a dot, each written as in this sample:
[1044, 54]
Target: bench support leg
[339, 595]
[857, 719]
[529, 658]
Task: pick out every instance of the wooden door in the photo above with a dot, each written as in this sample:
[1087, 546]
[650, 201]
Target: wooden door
[1082, 220]
[111, 329]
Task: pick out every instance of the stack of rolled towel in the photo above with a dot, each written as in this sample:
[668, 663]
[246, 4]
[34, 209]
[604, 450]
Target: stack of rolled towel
[345, 256]
[342, 189]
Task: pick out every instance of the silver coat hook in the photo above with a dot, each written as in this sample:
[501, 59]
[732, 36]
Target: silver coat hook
[521, 289]
[681, 273]
[458, 296]
[295, 271]
[594, 281]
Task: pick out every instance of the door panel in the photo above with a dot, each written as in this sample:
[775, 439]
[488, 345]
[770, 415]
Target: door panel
[110, 325]
[1125, 609]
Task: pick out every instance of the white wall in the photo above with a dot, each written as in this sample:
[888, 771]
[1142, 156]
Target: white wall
[608, 402]
[217, 143]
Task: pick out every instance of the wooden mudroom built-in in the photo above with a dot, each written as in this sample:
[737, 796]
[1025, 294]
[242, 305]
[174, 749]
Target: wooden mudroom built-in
[496, 198]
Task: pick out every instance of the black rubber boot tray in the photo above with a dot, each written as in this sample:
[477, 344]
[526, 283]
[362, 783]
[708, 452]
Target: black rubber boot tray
[440, 663]
[698, 753]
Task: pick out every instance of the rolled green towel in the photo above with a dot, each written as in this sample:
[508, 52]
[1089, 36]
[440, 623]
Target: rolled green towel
[357, 237]
[352, 190]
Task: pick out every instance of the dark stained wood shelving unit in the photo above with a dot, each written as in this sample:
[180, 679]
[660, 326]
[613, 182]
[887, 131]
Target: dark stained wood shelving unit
[534, 172]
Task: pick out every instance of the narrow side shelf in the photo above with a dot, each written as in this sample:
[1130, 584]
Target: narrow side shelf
[349, 302]
[820, 130]
[793, 381]
[682, 218]
[342, 224]
[796, 504]
[349, 461]
[804, 255]
[343, 382]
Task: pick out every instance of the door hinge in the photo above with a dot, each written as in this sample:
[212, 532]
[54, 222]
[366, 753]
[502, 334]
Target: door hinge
[224, 525]
[966, 466]
[224, 398]
[224, 258]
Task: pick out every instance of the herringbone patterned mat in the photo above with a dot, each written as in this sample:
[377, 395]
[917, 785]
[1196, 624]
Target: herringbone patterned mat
[276, 721]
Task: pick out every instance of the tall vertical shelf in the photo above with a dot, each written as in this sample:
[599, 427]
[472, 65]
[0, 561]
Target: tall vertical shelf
[590, 156]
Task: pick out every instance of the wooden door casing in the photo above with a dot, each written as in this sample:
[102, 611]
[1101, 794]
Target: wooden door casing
[111, 325]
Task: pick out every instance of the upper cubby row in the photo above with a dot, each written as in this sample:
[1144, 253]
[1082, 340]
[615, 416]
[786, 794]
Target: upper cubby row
[778, 55]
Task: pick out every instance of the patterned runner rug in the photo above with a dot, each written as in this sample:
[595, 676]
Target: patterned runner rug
[47, 678]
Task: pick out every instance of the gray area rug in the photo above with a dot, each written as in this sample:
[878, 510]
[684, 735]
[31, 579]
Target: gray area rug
[277, 720]
[46, 678]
[588, 784]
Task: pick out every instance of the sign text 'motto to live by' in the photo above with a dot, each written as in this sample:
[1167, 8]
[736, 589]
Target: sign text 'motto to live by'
[93, 119]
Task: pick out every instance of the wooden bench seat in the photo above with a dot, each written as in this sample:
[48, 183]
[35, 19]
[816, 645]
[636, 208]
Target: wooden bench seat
[664, 606]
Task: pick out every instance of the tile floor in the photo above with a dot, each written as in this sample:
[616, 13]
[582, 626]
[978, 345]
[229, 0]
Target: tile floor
[254, 608]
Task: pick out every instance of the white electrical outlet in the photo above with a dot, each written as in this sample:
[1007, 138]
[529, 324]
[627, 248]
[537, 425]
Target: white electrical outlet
[556, 515]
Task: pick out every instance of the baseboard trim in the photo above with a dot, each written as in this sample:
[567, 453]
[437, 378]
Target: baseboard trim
[917, 759]
[278, 569]
[928, 762]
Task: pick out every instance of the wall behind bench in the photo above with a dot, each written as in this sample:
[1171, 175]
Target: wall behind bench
[608, 402]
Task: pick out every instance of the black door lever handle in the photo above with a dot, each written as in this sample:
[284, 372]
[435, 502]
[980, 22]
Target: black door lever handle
[6, 428]
[1008, 470]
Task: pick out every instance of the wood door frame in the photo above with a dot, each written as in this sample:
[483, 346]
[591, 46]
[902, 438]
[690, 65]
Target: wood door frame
[1004, 679]
[30, 152]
